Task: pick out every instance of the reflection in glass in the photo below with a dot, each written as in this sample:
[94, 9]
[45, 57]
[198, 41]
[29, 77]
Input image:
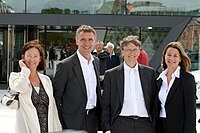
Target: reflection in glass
[126, 7]
[190, 39]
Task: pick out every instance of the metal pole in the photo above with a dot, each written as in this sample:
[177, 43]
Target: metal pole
[45, 44]
[126, 11]
[25, 6]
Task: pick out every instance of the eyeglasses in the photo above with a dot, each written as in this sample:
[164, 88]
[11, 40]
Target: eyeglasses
[129, 50]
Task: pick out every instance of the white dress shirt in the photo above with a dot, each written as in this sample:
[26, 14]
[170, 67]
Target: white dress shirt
[133, 95]
[90, 80]
[165, 88]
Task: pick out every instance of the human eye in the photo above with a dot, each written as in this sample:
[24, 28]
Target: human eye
[36, 56]
[175, 55]
[169, 54]
[128, 50]
[28, 55]
[82, 39]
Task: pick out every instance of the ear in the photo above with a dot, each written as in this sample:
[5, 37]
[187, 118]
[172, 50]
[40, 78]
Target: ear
[23, 56]
[122, 53]
[138, 52]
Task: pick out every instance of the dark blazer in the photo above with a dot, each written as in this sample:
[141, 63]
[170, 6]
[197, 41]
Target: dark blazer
[112, 61]
[113, 95]
[180, 104]
[70, 91]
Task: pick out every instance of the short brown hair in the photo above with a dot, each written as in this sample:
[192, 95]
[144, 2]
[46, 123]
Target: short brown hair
[130, 39]
[85, 28]
[185, 60]
[36, 44]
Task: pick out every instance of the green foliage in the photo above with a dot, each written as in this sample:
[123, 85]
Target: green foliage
[67, 11]
[52, 10]
[76, 11]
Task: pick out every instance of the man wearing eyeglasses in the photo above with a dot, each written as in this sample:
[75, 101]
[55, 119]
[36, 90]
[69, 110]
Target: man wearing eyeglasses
[128, 101]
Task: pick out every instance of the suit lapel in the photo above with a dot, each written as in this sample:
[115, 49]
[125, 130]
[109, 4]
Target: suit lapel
[144, 83]
[172, 89]
[120, 82]
[79, 74]
[159, 83]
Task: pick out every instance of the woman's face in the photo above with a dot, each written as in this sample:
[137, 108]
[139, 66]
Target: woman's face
[110, 49]
[32, 58]
[172, 58]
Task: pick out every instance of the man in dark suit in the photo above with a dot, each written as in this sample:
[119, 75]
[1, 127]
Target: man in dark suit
[128, 101]
[77, 87]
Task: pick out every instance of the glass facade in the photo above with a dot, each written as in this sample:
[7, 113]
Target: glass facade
[139, 7]
[12, 37]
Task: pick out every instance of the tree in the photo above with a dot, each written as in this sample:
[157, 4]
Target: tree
[76, 11]
[52, 10]
[67, 11]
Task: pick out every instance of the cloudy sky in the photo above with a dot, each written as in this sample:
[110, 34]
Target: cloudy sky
[35, 6]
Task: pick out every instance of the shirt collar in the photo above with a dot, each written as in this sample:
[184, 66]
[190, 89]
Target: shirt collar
[126, 67]
[83, 60]
[175, 74]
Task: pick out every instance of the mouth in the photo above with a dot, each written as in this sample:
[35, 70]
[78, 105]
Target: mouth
[171, 62]
[132, 56]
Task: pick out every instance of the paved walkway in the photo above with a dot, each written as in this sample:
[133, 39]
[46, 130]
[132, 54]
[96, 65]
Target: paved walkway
[7, 117]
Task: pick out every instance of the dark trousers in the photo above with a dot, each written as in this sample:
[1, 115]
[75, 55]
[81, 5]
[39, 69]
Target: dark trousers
[129, 125]
[163, 125]
[91, 122]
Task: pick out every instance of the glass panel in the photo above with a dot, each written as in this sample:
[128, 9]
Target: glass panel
[191, 42]
[19, 42]
[151, 37]
[150, 7]
[60, 37]
[3, 53]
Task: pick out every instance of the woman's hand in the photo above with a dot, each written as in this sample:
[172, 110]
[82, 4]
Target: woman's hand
[21, 63]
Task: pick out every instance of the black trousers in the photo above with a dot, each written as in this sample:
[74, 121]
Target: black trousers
[90, 124]
[124, 124]
[163, 125]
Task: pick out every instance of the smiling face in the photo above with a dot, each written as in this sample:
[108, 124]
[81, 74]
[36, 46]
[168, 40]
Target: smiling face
[99, 46]
[130, 54]
[172, 58]
[32, 58]
[86, 42]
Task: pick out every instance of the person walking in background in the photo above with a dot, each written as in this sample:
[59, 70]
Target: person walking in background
[113, 59]
[52, 56]
[143, 58]
[37, 112]
[103, 57]
[63, 53]
[177, 92]
[76, 85]
[128, 101]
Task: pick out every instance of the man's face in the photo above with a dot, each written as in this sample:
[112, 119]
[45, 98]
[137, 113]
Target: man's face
[99, 46]
[86, 42]
[131, 53]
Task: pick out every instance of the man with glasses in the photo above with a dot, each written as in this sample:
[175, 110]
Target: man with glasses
[128, 101]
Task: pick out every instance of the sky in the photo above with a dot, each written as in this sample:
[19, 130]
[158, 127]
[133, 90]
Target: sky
[35, 6]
